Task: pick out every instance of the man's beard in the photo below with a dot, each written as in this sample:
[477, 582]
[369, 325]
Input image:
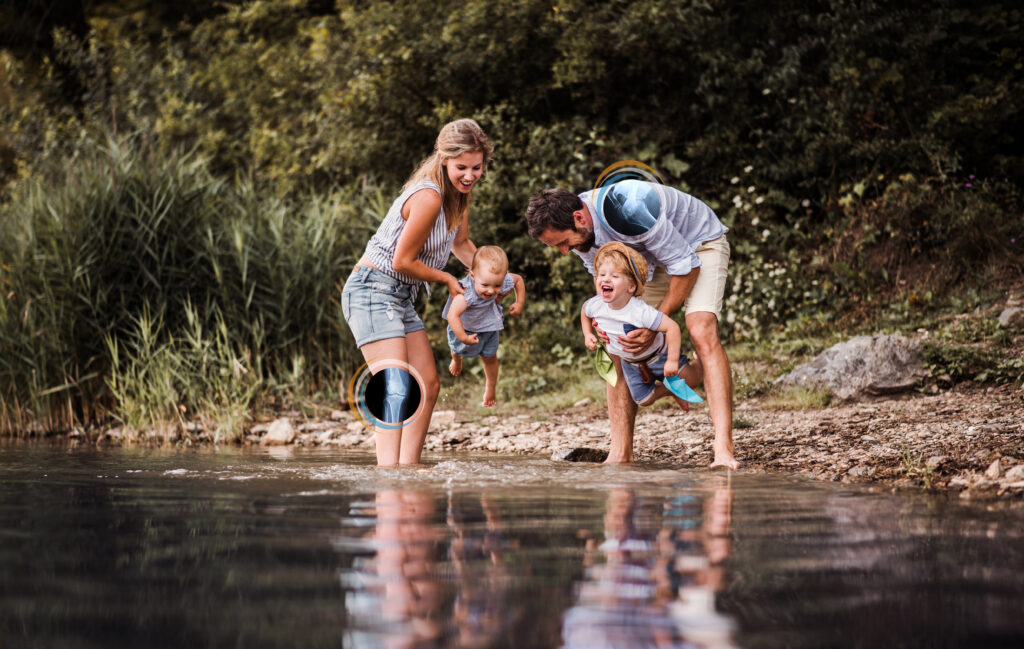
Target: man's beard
[588, 243]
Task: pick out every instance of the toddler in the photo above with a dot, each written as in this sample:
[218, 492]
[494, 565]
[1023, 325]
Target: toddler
[620, 275]
[474, 318]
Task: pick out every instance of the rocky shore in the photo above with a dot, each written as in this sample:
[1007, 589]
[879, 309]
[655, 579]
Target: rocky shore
[968, 440]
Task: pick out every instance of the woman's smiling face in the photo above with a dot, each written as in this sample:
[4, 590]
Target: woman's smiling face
[465, 170]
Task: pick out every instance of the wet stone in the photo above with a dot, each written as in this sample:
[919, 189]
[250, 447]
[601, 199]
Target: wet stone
[579, 454]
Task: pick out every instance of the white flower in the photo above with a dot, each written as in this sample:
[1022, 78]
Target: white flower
[766, 91]
[748, 169]
[764, 235]
[755, 221]
[806, 203]
[759, 200]
[751, 189]
[734, 180]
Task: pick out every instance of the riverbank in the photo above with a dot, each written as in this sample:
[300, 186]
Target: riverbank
[968, 440]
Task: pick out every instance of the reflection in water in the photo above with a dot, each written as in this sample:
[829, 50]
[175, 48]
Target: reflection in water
[395, 597]
[481, 610]
[428, 581]
[652, 581]
[162, 550]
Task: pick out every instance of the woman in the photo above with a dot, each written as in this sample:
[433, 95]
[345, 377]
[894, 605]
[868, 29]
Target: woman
[428, 222]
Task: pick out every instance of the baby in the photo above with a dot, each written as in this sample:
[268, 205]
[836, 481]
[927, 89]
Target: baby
[620, 275]
[474, 318]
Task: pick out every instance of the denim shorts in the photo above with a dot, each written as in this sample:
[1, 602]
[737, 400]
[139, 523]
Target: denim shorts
[377, 306]
[639, 390]
[487, 345]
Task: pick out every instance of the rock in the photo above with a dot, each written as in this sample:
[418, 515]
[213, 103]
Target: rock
[1011, 317]
[1016, 473]
[579, 454]
[279, 433]
[994, 470]
[862, 366]
[441, 419]
[936, 461]
[586, 401]
[338, 415]
[861, 472]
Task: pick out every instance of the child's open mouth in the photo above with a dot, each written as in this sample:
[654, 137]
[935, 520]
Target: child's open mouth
[606, 291]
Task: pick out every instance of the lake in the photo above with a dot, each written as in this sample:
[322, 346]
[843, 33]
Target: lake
[130, 547]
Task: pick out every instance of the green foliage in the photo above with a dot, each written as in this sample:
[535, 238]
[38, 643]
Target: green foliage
[862, 153]
[130, 237]
[959, 362]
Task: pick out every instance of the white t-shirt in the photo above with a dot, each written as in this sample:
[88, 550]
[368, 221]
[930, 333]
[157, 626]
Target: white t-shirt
[637, 314]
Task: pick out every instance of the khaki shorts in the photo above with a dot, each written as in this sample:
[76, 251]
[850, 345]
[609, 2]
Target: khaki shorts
[708, 291]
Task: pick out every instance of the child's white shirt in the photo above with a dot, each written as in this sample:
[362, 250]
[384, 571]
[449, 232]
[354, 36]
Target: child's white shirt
[637, 313]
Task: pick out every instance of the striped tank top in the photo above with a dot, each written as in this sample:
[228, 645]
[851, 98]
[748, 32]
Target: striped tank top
[435, 252]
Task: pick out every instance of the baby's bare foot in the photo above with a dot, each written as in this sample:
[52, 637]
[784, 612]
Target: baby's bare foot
[489, 398]
[456, 365]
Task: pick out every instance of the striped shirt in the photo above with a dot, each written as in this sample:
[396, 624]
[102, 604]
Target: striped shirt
[663, 224]
[435, 252]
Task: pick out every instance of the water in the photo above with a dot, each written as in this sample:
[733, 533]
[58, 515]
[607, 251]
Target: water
[144, 548]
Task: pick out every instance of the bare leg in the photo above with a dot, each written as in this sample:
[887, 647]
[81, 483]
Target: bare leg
[491, 384]
[421, 357]
[378, 355]
[703, 328]
[621, 417]
[455, 367]
[404, 445]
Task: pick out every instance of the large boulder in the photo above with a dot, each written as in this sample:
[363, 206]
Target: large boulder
[862, 366]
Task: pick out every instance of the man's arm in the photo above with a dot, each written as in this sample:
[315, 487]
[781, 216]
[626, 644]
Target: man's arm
[679, 287]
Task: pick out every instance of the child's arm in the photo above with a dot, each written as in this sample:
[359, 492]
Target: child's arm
[674, 338]
[589, 339]
[455, 312]
[520, 288]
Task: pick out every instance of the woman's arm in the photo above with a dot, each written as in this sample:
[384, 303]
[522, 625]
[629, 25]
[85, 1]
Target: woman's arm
[420, 213]
[462, 247]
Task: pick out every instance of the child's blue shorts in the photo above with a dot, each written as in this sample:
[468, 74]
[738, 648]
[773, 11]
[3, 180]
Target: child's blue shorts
[639, 390]
[486, 346]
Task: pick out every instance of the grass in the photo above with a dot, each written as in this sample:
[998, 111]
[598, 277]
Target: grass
[134, 284]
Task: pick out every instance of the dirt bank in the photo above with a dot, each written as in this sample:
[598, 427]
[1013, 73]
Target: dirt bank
[968, 439]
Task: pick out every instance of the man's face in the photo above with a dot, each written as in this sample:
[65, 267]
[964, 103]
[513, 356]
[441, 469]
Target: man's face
[579, 238]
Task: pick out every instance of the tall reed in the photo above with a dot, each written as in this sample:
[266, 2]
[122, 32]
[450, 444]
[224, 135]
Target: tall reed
[123, 239]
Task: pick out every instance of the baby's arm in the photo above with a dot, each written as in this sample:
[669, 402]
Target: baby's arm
[520, 288]
[455, 312]
[589, 339]
[673, 337]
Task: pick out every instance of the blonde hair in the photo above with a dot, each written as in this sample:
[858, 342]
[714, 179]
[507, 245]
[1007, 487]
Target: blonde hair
[455, 138]
[625, 260]
[493, 255]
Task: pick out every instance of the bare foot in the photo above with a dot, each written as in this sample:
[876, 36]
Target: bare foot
[725, 458]
[683, 403]
[489, 398]
[456, 365]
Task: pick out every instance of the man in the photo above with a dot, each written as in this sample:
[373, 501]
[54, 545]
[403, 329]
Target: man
[684, 244]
